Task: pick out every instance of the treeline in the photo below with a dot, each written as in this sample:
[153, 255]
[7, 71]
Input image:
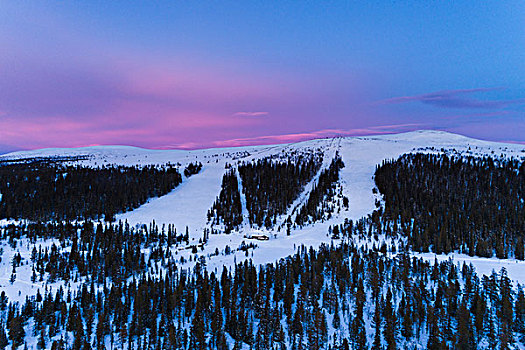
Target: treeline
[472, 205]
[320, 201]
[50, 191]
[333, 298]
[43, 160]
[227, 208]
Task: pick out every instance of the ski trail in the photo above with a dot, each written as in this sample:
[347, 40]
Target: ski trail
[329, 152]
[244, 211]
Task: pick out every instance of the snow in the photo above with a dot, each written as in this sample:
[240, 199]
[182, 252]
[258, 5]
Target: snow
[484, 266]
[188, 204]
[22, 285]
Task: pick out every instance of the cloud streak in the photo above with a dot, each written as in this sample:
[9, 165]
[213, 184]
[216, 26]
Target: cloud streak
[298, 137]
[455, 99]
[251, 114]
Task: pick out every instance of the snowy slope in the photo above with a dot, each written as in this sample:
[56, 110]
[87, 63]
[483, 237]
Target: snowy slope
[187, 205]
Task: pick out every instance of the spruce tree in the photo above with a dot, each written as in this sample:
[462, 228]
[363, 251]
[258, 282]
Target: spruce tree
[465, 336]
[16, 331]
[3, 337]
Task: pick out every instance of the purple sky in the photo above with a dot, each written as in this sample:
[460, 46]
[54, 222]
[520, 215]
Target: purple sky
[182, 75]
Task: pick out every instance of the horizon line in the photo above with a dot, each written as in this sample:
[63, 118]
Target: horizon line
[260, 141]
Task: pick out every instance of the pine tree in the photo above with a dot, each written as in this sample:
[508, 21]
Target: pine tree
[377, 325]
[491, 332]
[3, 337]
[198, 332]
[434, 336]
[406, 314]
[519, 312]
[336, 321]
[506, 314]
[519, 250]
[465, 336]
[16, 331]
[358, 327]
[390, 322]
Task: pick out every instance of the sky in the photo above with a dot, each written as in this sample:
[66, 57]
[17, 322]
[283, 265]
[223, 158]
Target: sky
[195, 74]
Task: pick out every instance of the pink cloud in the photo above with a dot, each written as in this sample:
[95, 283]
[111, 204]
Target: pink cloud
[298, 137]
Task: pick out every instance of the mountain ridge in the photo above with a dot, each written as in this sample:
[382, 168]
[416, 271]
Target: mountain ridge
[51, 151]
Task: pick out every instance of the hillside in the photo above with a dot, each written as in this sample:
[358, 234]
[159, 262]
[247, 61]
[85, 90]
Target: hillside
[257, 205]
[186, 206]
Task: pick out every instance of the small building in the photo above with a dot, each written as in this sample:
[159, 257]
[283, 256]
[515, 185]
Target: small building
[258, 237]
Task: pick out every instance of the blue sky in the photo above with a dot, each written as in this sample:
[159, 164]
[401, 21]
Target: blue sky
[205, 74]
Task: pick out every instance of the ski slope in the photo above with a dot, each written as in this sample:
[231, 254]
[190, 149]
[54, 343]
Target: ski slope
[187, 205]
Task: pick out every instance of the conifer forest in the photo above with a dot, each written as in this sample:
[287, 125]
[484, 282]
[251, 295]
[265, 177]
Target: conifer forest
[278, 257]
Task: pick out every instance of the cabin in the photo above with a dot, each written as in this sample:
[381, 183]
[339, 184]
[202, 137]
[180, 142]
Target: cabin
[258, 237]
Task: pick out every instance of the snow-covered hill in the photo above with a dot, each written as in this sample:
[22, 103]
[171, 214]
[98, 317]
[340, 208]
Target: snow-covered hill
[187, 205]
[31, 265]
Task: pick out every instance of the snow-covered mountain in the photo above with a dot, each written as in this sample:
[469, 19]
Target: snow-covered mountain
[81, 261]
[187, 205]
